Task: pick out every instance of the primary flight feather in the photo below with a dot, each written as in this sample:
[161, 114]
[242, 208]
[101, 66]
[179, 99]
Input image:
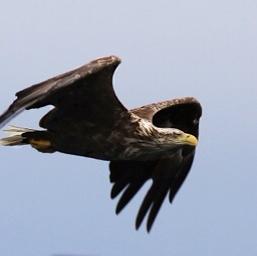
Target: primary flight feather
[154, 142]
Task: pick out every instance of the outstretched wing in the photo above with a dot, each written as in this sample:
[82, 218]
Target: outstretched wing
[167, 173]
[83, 93]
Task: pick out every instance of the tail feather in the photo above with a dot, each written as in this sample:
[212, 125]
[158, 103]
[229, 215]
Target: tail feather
[15, 137]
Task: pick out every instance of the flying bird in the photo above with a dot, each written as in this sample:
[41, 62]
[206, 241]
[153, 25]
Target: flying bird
[155, 142]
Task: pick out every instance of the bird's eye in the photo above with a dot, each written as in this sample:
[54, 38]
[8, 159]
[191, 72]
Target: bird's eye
[177, 132]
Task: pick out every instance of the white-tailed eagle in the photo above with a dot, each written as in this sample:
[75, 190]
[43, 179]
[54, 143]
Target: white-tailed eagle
[154, 142]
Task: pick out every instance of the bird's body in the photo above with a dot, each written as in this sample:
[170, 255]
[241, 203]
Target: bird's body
[133, 139]
[155, 142]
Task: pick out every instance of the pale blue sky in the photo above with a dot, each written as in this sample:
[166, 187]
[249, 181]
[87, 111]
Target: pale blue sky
[53, 204]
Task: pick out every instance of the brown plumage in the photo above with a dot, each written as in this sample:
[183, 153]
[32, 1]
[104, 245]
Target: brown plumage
[155, 142]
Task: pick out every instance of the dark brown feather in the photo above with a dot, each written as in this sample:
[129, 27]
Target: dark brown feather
[167, 174]
[86, 112]
[83, 93]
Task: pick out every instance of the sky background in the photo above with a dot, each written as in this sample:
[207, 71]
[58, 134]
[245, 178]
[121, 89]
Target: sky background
[60, 204]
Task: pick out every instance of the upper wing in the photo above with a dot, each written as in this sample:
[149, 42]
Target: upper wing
[167, 173]
[84, 92]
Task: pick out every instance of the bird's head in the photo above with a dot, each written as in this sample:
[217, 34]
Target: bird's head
[176, 137]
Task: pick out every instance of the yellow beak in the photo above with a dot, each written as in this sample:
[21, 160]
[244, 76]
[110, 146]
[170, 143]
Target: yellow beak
[189, 139]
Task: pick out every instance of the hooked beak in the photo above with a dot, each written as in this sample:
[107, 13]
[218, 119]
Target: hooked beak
[189, 139]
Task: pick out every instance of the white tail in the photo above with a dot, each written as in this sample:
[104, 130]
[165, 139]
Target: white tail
[14, 136]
